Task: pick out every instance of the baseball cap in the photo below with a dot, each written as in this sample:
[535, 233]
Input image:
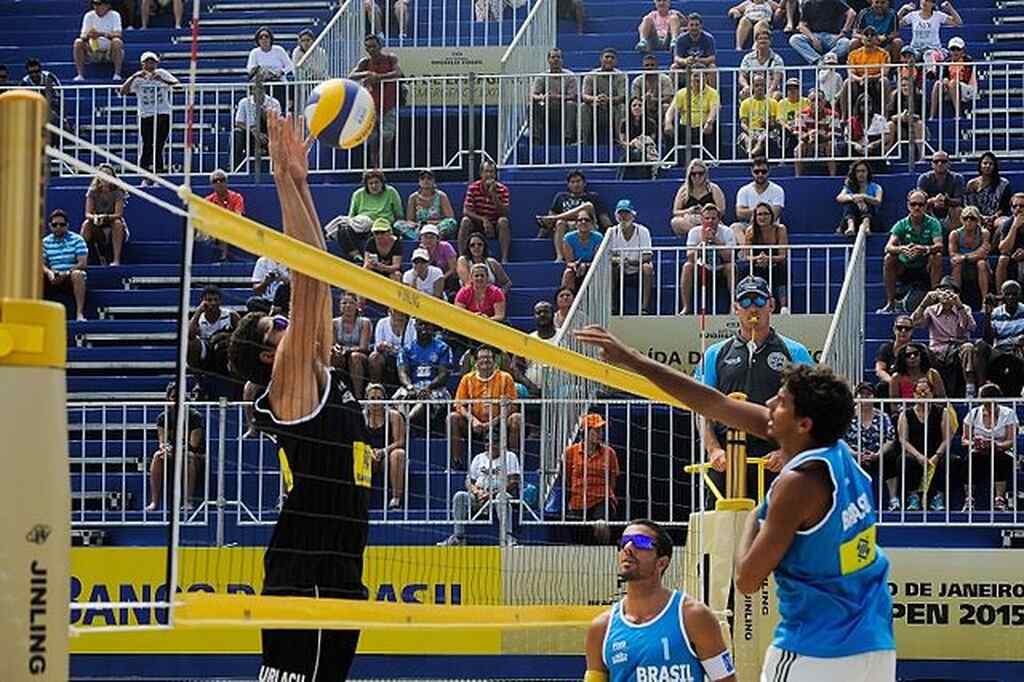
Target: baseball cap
[420, 254]
[625, 205]
[381, 225]
[907, 49]
[956, 43]
[592, 421]
[149, 55]
[869, 30]
[830, 58]
[948, 282]
[430, 228]
[752, 285]
[793, 82]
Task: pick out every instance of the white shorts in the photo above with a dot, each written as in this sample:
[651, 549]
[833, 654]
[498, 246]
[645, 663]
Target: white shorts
[785, 666]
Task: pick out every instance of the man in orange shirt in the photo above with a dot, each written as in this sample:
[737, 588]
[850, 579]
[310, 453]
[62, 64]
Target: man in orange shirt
[225, 198]
[867, 72]
[592, 470]
[472, 414]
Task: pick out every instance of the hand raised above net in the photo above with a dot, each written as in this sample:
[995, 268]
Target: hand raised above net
[288, 150]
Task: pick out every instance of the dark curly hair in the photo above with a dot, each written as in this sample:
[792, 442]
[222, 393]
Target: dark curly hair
[823, 397]
[901, 357]
[244, 350]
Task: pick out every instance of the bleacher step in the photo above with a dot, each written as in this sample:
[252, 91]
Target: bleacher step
[247, 22]
[231, 38]
[309, 5]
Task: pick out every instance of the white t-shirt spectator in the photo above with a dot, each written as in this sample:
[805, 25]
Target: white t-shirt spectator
[275, 59]
[749, 197]
[925, 32]
[384, 333]
[108, 23]
[425, 285]
[1005, 418]
[154, 96]
[723, 234]
[245, 113]
[264, 266]
[641, 239]
[486, 472]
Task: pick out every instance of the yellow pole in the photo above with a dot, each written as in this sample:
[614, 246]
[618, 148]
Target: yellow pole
[34, 495]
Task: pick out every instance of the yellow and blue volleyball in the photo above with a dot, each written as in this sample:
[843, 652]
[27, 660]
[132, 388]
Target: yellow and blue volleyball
[340, 113]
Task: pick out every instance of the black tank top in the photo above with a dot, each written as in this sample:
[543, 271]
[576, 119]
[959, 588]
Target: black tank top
[916, 430]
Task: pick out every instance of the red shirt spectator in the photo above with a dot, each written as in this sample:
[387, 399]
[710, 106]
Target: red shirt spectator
[481, 305]
[384, 65]
[478, 200]
[224, 197]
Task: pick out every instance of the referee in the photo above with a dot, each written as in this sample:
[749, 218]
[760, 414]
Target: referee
[750, 362]
[317, 546]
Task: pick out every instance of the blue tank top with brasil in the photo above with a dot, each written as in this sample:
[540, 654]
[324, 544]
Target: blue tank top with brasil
[655, 651]
[832, 583]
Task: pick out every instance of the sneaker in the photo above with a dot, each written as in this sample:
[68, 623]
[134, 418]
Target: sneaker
[116, 78]
[79, 78]
[999, 504]
[510, 540]
[888, 309]
[937, 503]
[784, 310]
[914, 502]
[452, 541]
[894, 504]
[642, 46]
[394, 503]
[968, 504]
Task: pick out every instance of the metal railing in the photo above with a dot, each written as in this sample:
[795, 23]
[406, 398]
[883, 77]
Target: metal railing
[335, 52]
[844, 345]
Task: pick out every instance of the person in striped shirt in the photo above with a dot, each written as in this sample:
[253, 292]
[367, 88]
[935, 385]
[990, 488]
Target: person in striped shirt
[65, 256]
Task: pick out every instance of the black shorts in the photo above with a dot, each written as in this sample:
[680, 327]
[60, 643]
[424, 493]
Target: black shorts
[308, 655]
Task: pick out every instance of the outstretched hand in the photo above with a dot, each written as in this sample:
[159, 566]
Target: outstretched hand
[612, 350]
[289, 152]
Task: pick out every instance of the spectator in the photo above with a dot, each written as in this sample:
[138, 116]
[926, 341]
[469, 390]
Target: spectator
[945, 190]
[989, 191]
[885, 358]
[267, 276]
[771, 261]
[104, 228]
[765, 61]
[352, 235]
[310, 62]
[442, 256]
[748, 14]
[925, 434]
[530, 372]
[152, 7]
[486, 209]
[1002, 335]
[563, 302]
[950, 324]
[376, 199]
[163, 458]
[65, 258]
[865, 128]
[913, 253]
[553, 103]
[481, 297]
[383, 253]
[36, 77]
[99, 40]
[494, 478]
[423, 369]
[473, 416]
[400, 10]
[209, 332]
[423, 276]
[637, 134]
[692, 118]
[909, 70]
[695, 48]
[249, 136]
[860, 198]
[428, 205]
[825, 26]
[603, 104]
[758, 114]
[905, 124]
[760, 190]
[828, 80]
[868, 72]
[660, 28]
[913, 363]
[378, 71]
[477, 253]
[269, 63]
[869, 437]
[630, 246]
[385, 431]
[957, 81]
[990, 438]
[817, 135]
[592, 472]
[1010, 239]
[969, 246]
[655, 88]
[393, 332]
[705, 258]
[692, 196]
[578, 250]
[924, 25]
[226, 198]
[789, 109]
[881, 17]
[152, 89]
[568, 207]
[352, 334]
[730, 366]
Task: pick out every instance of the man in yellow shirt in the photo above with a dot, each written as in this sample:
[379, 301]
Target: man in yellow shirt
[867, 74]
[693, 114]
[475, 416]
[757, 119]
[788, 116]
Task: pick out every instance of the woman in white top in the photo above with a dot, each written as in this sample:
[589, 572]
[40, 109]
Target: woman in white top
[749, 13]
[924, 27]
[392, 333]
[990, 436]
[269, 58]
[351, 342]
[315, 66]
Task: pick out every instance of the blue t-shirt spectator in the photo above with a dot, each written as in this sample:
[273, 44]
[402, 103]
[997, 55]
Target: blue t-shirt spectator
[423, 362]
[884, 24]
[703, 46]
[61, 254]
[580, 251]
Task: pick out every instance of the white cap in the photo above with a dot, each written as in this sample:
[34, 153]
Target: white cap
[956, 42]
[361, 223]
[149, 55]
[421, 254]
[430, 228]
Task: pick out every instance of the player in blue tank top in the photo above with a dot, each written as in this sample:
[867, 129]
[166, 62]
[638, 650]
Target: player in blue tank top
[654, 634]
[815, 530]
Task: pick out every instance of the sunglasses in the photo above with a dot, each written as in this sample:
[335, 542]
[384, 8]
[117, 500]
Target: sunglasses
[55, 223]
[697, 172]
[756, 301]
[971, 218]
[940, 161]
[480, 244]
[904, 329]
[584, 220]
[913, 354]
[639, 540]
[917, 203]
[760, 171]
[1016, 205]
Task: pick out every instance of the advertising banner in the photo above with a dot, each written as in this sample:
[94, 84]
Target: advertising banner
[450, 61]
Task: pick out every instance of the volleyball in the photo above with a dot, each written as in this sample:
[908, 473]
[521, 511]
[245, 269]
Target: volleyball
[340, 113]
